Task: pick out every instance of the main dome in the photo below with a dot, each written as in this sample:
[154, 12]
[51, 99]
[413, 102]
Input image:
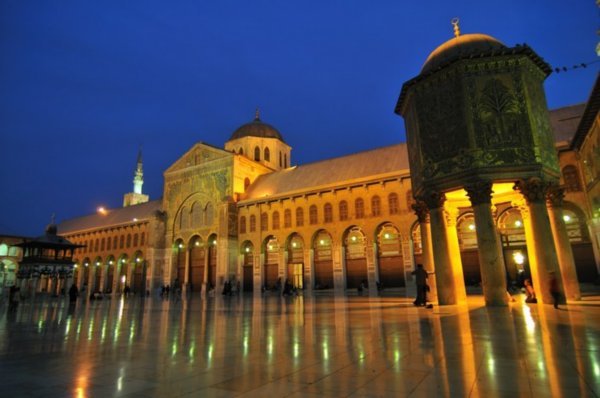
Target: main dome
[256, 128]
[463, 46]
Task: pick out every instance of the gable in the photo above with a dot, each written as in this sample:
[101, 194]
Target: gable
[199, 154]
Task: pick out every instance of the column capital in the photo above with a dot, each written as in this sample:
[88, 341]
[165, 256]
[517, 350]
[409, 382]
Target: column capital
[555, 196]
[533, 190]
[521, 205]
[451, 215]
[479, 192]
[421, 210]
[433, 199]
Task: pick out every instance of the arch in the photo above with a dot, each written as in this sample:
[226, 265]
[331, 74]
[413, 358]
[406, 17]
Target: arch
[267, 154]
[275, 220]
[209, 214]
[247, 253]
[257, 154]
[376, 206]
[313, 216]
[287, 218]
[393, 205]
[581, 245]
[572, 182]
[323, 259]
[195, 275]
[299, 217]
[343, 207]
[211, 251]
[467, 242]
[137, 282]
[390, 261]
[514, 246]
[295, 257]
[359, 208]
[270, 249]
[242, 224]
[354, 242]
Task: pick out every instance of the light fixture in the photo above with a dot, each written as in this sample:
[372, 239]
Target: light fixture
[97, 263]
[123, 261]
[214, 243]
[386, 236]
[110, 262]
[270, 247]
[74, 265]
[137, 260]
[197, 243]
[519, 257]
[353, 239]
[86, 264]
[472, 227]
[518, 223]
[135, 219]
[294, 244]
[567, 218]
[247, 249]
[180, 246]
[101, 210]
[322, 241]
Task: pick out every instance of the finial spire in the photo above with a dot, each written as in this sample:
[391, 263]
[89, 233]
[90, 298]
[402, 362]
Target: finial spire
[257, 114]
[139, 158]
[53, 218]
[456, 27]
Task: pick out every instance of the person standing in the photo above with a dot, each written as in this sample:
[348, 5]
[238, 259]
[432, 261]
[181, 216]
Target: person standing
[73, 293]
[421, 281]
[554, 290]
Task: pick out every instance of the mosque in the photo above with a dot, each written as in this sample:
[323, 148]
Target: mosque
[488, 186]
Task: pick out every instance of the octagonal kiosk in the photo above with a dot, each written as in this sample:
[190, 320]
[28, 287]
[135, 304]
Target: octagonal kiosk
[478, 135]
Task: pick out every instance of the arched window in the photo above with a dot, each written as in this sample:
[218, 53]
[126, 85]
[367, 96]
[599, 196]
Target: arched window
[327, 213]
[571, 178]
[299, 217]
[135, 240]
[393, 203]
[209, 214]
[122, 242]
[343, 210]
[257, 154]
[312, 215]
[128, 245]
[143, 239]
[376, 206]
[264, 222]
[276, 220]
[359, 208]
[246, 183]
[196, 215]
[242, 224]
[252, 223]
[280, 158]
[267, 155]
[287, 218]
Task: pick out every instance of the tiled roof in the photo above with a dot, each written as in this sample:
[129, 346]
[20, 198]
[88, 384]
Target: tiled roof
[120, 216]
[564, 121]
[357, 167]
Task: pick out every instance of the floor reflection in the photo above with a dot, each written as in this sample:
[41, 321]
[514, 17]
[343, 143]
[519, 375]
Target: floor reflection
[325, 346]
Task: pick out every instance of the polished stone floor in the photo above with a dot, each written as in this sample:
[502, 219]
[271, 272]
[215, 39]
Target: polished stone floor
[298, 347]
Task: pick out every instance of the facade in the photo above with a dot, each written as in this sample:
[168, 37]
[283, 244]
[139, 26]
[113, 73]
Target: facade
[243, 214]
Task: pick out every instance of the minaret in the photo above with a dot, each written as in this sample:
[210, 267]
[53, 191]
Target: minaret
[136, 197]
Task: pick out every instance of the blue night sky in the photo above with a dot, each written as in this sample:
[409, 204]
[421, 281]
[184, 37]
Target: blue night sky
[84, 83]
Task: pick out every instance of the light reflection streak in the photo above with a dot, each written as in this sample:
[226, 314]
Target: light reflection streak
[529, 322]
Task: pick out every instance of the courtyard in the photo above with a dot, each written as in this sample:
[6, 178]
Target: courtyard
[323, 346]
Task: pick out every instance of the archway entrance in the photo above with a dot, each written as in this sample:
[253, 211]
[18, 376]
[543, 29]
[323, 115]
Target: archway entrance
[110, 275]
[179, 260]
[322, 247]
[356, 261]
[97, 275]
[248, 267]
[197, 258]
[137, 276]
[271, 251]
[295, 250]
[389, 256]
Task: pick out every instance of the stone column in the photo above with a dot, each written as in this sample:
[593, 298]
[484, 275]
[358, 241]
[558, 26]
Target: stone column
[444, 275]
[184, 279]
[491, 260]
[371, 260]
[309, 269]
[546, 261]
[204, 290]
[564, 251]
[422, 212]
[451, 214]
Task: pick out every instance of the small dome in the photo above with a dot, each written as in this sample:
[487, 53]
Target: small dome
[256, 128]
[463, 46]
[51, 229]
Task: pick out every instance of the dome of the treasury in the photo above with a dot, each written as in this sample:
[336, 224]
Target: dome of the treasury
[256, 128]
[461, 47]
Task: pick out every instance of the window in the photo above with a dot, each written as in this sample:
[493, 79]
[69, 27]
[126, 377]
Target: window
[276, 220]
[328, 212]
[359, 208]
[280, 158]
[242, 224]
[287, 218]
[299, 217]
[135, 240]
[257, 154]
[571, 179]
[343, 210]
[393, 203]
[376, 206]
[128, 241]
[285, 163]
[267, 155]
[122, 242]
[312, 215]
[252, 223]
[264, 222]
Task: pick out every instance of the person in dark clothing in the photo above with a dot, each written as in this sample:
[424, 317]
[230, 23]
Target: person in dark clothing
[73, 293]
[554, 290]
[421, 281]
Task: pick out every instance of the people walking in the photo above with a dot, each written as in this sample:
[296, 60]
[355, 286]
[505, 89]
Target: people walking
[421, 281]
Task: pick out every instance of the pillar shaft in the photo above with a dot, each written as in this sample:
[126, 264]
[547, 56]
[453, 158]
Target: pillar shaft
[491, 260]
[451, 214]
[564, 251]
[422, 213]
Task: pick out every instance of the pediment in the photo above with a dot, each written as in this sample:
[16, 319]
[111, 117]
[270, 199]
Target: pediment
[197, 155]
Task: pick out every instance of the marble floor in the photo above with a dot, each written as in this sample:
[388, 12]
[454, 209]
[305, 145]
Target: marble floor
[298, 347]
